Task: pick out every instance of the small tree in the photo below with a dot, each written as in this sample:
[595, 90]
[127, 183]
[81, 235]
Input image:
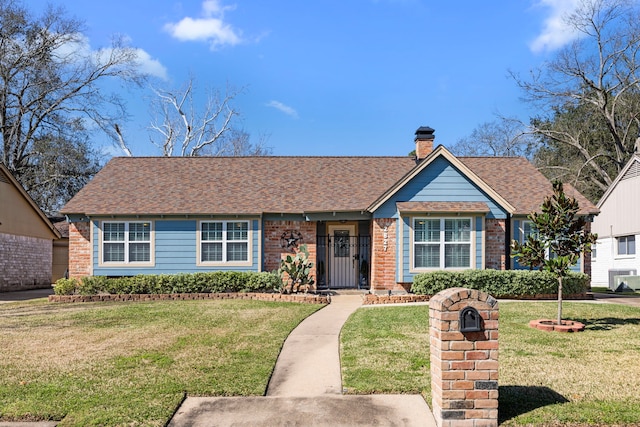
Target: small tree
[559, 240]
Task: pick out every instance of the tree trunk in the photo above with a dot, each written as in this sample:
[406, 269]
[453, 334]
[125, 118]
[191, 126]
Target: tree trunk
[559, 300]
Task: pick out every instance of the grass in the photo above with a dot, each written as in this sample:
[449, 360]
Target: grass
[588, 378]
[132, 363]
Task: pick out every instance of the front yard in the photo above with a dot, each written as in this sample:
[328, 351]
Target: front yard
[132, 363]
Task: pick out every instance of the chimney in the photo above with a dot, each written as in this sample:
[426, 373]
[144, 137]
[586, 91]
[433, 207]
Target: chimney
[424, 142]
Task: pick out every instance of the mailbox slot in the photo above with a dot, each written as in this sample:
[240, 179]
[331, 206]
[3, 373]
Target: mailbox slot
[470, 320]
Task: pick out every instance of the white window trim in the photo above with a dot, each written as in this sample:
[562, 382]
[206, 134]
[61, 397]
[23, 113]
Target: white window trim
[616, 247]
[472, 246]
[224, 263]
[126, 263]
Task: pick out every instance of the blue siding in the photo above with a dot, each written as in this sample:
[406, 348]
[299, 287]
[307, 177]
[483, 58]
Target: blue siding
[439, 182]
[175, 250]
[479, 251]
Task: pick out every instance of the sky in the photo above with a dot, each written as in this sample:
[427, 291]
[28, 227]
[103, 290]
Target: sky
[335, 77]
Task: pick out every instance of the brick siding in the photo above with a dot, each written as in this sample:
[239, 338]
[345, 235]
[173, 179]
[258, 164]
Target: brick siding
[383, 256]
[25, 262]
[80, 250]
[495, 256]
[273, 251]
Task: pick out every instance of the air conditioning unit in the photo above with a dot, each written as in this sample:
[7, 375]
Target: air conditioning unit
[616, 272]
[632, 282]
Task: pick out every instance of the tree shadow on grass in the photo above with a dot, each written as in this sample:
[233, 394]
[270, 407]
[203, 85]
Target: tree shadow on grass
[516, 400]
[607, 323]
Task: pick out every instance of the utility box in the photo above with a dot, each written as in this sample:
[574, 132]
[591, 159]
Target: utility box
[632, 282]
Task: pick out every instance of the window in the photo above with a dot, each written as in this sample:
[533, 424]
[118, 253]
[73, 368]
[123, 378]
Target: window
[126, 242]
[527, 229]
[626, 245]
[224, 241]
[442, 242]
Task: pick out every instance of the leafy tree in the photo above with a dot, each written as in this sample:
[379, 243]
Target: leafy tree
[588, 96]
[559, 239]
[51, 94]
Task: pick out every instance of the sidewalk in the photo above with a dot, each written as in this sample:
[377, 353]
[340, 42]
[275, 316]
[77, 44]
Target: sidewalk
[306, 387]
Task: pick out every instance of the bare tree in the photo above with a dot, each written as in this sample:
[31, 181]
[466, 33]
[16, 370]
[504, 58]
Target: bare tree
[502, 137]
[51, 88]
[184, 130]
[589, 98]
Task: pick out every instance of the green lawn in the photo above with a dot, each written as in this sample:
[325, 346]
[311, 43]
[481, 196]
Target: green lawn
[132, 363]
[588, 378]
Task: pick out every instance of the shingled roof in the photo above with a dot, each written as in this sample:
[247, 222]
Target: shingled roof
[256, 185]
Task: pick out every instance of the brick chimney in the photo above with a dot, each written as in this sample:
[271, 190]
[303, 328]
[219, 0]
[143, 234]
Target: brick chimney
[424, 142]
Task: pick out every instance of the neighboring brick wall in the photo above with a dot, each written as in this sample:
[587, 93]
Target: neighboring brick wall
[495, 256]
[80, 250]
[464, 366]
[273, 252]
[25, 262]
[383, 255]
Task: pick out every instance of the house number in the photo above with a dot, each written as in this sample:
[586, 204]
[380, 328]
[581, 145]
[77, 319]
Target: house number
[385, 238]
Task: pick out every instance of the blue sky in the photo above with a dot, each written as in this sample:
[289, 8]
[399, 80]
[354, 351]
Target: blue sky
[337, 77]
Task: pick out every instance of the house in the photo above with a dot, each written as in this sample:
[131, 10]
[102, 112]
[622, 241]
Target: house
[60, 264]
[26, 238]
[618, 228]
[370, 222]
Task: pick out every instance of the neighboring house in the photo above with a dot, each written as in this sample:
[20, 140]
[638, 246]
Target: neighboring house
[60, 265]
[26, 237]
[618, 227]
[369, 222]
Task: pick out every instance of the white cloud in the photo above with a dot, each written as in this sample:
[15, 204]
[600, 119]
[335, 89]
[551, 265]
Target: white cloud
[79, 46]
[210, 27]
[555, 33]
[284, 108]
[150, 65]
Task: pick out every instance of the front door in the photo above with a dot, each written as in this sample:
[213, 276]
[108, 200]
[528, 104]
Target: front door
[342, 256]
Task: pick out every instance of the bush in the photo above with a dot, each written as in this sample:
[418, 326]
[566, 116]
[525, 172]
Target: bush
[65, 286]
[205, 282]
[499, 283]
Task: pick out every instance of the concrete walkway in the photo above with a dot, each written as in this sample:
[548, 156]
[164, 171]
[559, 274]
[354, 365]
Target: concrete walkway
[306, 386]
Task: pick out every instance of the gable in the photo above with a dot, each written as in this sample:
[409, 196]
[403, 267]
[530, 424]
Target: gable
[18, 213]
[620, 204]
[441, 181]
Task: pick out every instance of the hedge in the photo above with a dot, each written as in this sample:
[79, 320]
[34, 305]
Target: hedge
[209, 282]
[500, 283]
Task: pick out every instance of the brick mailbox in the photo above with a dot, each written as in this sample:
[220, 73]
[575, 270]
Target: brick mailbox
[464, 358]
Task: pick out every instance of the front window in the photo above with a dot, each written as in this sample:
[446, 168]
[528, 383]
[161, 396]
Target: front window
[527, 230]
[224, 241]
[626, 245]
[126, 242]
[442, 242]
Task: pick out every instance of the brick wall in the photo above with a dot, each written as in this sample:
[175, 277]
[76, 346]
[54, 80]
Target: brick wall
[383, 256]
[464, 366]
[80, 249]
[25, 262]
[273, 251]
[586, 262]
[495, 257]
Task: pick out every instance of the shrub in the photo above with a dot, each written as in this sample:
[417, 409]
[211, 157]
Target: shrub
[499, 283]
[65, 286]
[205, 282]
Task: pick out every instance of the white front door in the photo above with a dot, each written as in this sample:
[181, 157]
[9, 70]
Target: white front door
[342, 264]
